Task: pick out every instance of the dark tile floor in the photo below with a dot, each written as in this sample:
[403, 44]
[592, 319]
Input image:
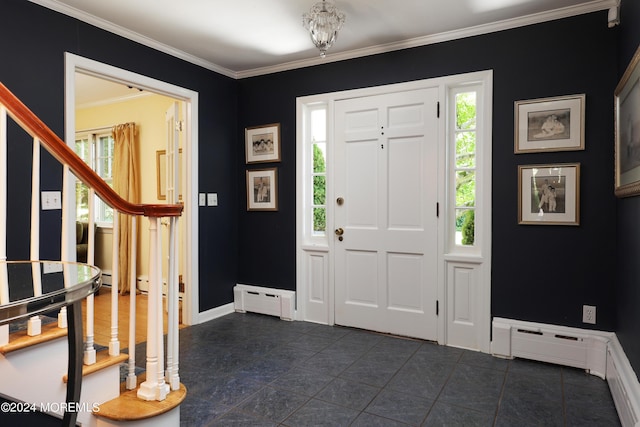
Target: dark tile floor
[254, 370]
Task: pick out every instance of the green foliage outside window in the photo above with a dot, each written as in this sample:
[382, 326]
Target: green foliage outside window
[468, 227]
[319, 191]
[466, 164]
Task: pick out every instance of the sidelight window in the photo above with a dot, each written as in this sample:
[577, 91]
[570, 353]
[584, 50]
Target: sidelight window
[318, 141]
[464, 142]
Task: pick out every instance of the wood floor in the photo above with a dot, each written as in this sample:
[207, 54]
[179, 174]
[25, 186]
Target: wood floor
[102, 322]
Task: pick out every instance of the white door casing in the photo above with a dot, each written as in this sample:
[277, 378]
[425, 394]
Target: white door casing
[386, 173]
[464, 272]
[75, 63]
[174, 179]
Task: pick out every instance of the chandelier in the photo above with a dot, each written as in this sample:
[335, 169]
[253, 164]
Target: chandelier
[323, 22]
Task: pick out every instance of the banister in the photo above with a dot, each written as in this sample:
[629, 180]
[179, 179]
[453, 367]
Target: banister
[65, 155]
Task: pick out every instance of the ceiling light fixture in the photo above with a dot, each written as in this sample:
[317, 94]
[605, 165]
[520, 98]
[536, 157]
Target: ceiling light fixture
[323, 22]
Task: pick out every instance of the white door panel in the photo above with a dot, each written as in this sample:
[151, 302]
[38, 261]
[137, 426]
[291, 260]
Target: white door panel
[362, 189]
[386, 171]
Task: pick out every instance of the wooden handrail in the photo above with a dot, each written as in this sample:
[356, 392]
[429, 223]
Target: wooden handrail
[65, 155]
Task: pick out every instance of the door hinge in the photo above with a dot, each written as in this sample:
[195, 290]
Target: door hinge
[437, 210]
[437, 307]
[438, 109]
[180, 125]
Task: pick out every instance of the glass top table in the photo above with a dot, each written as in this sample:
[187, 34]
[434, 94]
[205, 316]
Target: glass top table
[37, 287]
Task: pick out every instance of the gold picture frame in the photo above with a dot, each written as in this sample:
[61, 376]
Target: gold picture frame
[550, 124]
[549, 194]
[262, 143]
[262, 189]
[627, 130]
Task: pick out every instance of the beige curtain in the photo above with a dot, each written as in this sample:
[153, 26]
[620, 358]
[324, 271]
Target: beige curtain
[126, 184]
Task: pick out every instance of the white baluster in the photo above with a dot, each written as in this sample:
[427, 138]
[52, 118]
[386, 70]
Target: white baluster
[131, 381]
[114, 344]
[172, 376]
[34, 325]
[4, 274]
[89, 350]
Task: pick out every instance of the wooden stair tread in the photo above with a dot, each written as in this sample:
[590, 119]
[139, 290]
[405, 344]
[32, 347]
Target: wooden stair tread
[19, 340]
[103, 360]
[128, 407]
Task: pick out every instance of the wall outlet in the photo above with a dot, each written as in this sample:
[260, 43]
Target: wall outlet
[589, 314]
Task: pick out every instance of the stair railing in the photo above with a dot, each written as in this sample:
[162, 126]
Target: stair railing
[159, 382]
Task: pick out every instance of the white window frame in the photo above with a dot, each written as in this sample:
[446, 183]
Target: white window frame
[93, 136]
[309, 237]
[480, 171]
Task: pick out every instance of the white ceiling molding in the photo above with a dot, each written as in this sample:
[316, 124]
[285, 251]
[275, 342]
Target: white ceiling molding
[583, 8]
[131, 35]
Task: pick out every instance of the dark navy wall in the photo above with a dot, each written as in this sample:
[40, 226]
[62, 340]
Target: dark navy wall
[32, 66]
[628, 314]
[539, 273]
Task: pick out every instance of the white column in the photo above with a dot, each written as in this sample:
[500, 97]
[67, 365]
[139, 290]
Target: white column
[154, 388]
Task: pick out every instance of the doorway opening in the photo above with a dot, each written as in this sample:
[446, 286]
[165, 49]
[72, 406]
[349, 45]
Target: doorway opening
[83, 68]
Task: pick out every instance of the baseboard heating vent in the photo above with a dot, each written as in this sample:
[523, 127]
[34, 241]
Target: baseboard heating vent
[256, 299]
[552, 344]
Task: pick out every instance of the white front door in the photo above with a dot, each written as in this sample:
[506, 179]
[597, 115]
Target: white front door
[386, 186]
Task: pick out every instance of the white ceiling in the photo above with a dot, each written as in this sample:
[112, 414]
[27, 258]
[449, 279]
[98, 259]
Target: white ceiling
[240, 38]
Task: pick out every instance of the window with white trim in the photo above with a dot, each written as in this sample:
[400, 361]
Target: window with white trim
[463, 142]
[316, 141]
[96, 149]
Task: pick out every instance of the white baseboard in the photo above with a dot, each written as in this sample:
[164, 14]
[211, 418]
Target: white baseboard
[215, 313]
[624, 385]
[599, 353]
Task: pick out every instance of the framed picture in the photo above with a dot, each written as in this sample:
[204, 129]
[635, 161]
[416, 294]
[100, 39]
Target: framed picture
[161, 173]
[550, 124]
[627, 131]
[549, 194]
[262, 190]
[263, 143]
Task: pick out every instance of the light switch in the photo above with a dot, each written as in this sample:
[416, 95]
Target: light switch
[202, 199]
[51, 200]
[212, 199]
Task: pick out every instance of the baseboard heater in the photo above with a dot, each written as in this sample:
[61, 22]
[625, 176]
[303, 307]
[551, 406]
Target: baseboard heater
[256, 299]
[549, 343]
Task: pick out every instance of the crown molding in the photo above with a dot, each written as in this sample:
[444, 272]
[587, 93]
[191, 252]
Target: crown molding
[594, 6]
[566, 12]
[131, 35]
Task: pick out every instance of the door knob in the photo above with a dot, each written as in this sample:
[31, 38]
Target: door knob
[339, 231]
